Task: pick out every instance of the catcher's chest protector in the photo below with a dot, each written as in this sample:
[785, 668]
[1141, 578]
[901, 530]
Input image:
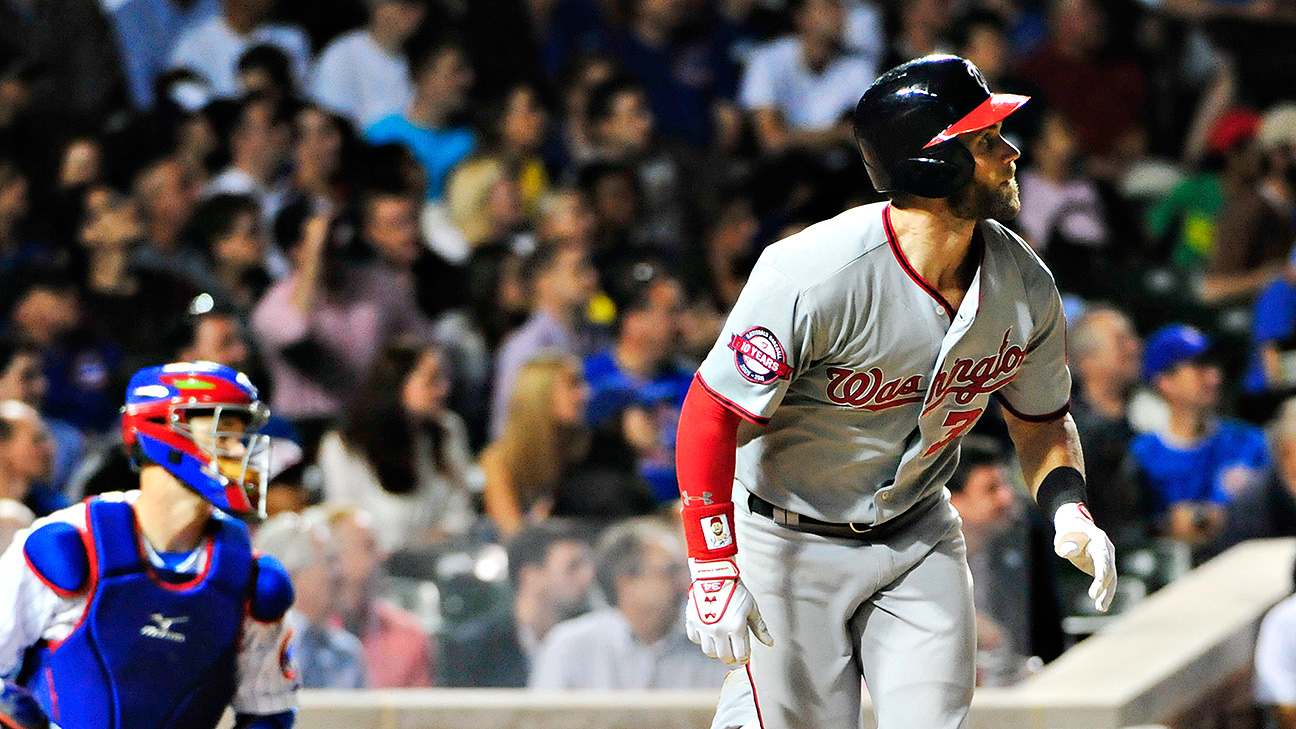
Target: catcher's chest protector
[148, 654]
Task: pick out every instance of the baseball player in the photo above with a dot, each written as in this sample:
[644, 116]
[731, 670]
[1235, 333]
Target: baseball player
[859, 353]
[147, 609]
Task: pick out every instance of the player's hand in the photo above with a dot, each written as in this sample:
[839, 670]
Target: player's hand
[19, 709]
[721, 612]
[1080, 540]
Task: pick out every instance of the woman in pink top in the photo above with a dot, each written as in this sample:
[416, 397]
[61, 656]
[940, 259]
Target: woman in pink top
[322, 326]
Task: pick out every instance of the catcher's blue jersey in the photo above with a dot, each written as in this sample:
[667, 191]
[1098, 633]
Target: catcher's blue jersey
[149, 653]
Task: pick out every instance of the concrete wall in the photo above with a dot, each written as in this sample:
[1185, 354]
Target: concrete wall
[1181, 658]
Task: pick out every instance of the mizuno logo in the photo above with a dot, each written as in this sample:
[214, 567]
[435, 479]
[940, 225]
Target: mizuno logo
[161, 629]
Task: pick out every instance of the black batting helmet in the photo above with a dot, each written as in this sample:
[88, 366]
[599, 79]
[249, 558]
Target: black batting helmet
[905, 124]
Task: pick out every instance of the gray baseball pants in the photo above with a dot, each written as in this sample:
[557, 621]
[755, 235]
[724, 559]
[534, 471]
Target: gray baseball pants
[899, 613]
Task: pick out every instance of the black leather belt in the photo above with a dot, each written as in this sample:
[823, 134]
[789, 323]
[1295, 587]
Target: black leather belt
[849, 530]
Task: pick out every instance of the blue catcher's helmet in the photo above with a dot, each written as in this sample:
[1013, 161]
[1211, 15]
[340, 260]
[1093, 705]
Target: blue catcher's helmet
[166, 423]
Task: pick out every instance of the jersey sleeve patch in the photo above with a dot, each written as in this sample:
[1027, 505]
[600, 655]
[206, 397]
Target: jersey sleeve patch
[759, 356]
[272, 594]
[57, 555]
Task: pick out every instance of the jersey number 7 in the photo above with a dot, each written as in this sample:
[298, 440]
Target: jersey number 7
[957, 423]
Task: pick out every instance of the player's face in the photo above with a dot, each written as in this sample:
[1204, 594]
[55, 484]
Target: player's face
[992, 193]
[224, 439]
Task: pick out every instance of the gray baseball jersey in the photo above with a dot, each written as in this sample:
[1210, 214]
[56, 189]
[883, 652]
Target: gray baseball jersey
[859, 378]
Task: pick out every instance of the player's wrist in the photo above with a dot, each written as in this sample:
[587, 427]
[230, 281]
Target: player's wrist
[708, 530]
[1070, 514]
[1062, 487]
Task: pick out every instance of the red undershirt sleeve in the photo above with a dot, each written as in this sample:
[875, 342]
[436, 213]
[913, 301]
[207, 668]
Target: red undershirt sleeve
[704, 463]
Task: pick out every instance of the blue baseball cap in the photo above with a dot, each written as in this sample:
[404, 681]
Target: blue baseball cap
[1169, 346]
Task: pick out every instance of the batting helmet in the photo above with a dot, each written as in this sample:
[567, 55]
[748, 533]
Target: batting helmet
[907, 121]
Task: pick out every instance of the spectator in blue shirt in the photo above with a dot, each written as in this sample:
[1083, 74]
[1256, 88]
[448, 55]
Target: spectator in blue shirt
[1200, 461]
[687, 77]
[147, 31]
[642, 369]
[442, 78]
[1271, 370]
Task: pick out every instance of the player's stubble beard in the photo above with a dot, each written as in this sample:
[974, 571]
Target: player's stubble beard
[977, 200]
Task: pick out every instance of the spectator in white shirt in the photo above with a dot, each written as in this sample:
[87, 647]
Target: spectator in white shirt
[801, 88]
[401, 454]
[213, 47]
[147, 31]
[1275, 664]
[364, 75]
[639, 642]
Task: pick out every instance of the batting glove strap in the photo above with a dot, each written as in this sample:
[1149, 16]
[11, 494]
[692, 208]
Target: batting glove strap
[709, 531]
[1087, 547]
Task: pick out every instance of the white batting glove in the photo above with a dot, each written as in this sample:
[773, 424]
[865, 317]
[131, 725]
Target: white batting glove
[1079, 540]
[721, 611]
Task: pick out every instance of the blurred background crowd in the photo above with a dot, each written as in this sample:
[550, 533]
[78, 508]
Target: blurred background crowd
[472, 251]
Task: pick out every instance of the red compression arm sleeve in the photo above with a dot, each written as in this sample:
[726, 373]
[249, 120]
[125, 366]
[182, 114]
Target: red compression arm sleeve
[704, 463]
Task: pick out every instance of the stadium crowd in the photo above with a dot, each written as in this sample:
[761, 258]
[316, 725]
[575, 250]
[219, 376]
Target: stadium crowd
[471, 251]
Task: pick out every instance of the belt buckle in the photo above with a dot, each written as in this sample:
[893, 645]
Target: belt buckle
[865, 530]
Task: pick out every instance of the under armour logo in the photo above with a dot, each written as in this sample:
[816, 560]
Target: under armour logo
[705, 498]
[161, 628]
